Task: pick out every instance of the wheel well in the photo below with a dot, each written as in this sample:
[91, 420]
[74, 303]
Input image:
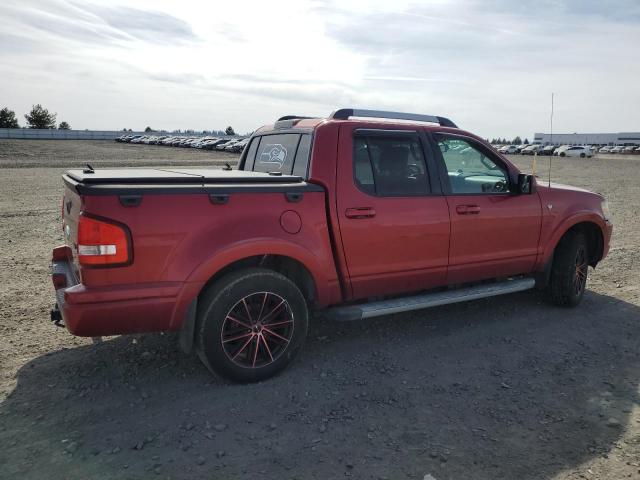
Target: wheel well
[595, 241]
[287, 266]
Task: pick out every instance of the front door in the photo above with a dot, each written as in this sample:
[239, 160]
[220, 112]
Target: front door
[494, 231]
[394, 226]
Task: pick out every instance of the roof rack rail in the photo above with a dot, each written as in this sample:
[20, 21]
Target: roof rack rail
[293, 117]
[346, 113]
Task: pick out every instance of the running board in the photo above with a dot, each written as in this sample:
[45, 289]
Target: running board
[427, 300]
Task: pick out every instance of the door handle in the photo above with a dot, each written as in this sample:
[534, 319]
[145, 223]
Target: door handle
[468, 209]
[360, 212]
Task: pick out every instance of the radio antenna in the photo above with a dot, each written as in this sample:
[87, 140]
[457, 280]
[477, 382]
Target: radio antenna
[551, 139]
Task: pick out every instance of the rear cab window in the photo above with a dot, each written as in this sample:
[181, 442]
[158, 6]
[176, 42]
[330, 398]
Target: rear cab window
[287, 153]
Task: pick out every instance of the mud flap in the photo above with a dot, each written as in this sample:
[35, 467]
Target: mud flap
[187, 333]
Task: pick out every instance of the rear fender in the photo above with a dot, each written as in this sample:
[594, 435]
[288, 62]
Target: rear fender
[324, 277]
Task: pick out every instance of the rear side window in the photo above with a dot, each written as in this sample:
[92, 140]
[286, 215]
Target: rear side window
[251, 153]
[301, 164]
[390, 166]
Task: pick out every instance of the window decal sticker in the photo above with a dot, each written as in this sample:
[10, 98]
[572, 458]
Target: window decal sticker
[274, 153]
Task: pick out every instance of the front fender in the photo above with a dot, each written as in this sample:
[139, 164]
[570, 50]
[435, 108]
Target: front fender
[561, 228]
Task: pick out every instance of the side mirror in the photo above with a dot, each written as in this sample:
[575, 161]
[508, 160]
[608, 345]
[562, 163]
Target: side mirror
[525, 184]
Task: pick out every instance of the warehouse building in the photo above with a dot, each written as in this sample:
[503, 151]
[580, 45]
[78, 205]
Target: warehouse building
[622, 138]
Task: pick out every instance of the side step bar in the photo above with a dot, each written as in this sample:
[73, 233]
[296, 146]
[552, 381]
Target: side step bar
[427, 300]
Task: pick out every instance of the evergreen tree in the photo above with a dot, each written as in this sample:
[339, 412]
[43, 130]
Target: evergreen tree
[39, 117]
[8, 119]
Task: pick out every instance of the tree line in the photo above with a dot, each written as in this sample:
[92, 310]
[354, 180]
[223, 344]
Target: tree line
[38, 117]
[228, 131]
[504, 141]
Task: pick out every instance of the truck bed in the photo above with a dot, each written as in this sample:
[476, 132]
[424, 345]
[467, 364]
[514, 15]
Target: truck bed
[158, 180]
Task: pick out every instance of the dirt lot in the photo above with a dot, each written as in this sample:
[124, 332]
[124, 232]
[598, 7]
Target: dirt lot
[506, 388]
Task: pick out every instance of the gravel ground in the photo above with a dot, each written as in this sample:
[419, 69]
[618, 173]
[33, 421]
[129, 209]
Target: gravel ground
[504, 388]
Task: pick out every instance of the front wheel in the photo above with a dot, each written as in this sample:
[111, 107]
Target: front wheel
[562, 154]
[252, 324]
[582, 155]
[569, 271]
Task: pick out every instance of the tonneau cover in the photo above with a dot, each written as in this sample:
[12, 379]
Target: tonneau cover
[140, 176]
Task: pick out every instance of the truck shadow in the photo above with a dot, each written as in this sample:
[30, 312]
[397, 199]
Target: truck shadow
[508, 387]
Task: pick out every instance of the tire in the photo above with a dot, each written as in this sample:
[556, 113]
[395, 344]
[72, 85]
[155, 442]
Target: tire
[582, 155]
[236, 339]
[569, 270]
[562, 154]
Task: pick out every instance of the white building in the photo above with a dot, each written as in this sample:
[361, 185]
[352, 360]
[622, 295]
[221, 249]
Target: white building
[622, 138]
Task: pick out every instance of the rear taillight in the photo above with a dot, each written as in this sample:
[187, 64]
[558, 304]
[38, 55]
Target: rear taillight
[102, 242]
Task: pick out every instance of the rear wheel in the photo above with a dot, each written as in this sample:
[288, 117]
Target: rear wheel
[569, 271]
[562, 154]
[252, 325]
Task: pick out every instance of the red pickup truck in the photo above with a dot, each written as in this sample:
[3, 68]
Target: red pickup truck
[362, 214]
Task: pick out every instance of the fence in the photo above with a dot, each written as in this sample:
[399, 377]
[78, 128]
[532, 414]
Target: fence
[52, 134]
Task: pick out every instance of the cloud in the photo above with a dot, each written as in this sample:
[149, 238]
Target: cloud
[148, 25]
[87, 23]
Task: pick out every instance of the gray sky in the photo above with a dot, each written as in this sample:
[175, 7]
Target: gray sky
[488, 65]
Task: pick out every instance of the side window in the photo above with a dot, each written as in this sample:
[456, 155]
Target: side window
[301, 163]
[251, 153]
[390, 166]
[470, 170]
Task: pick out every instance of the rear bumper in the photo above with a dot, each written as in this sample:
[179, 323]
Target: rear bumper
[98, 311]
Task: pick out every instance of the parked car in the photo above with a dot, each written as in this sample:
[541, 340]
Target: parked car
[617, 149]
[576, 151]
[238, 146]
[214, 143]
[628, 149]
[637, 150]
[605, 149]
[531, 149]
[227, 141]
[339, 214]
[519, 148]
[560, 149]
[547, 150]
[235, 146]
[508, 149]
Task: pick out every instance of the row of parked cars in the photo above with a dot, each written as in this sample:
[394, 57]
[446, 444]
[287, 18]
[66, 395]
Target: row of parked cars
[536, 148]
[234, 145]
[567, 150]
[629, 149]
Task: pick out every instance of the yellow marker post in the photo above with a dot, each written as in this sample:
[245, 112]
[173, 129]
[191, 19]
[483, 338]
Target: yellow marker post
[533, 164]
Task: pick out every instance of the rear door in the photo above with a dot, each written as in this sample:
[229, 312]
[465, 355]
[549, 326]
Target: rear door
[494, 231]
[394, 221]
